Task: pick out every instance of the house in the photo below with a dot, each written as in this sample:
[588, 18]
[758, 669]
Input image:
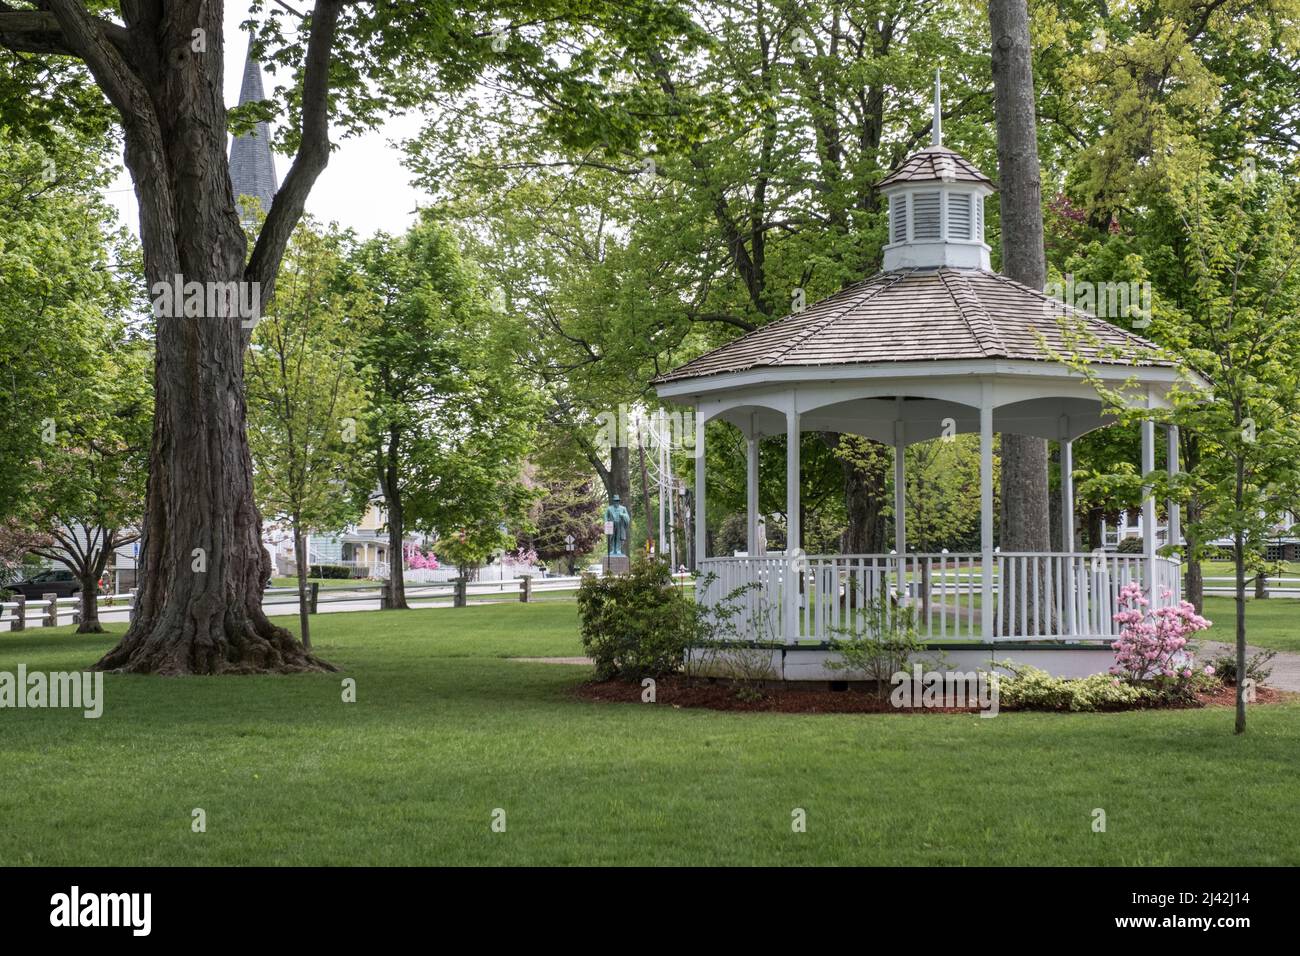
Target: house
[362, 547]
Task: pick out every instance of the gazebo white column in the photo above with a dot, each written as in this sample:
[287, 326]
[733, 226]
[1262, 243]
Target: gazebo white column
[986, 511]
[900, 503]
[751, 492]
[792, 434]
[1067, 487]
[1171, 506]
[701, 535]
[1149, 505]
[794, 568]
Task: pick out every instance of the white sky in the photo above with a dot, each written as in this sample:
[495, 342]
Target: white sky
[364, 187]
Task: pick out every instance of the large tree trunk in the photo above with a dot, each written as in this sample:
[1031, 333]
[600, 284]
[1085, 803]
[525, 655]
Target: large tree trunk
[864, 495]
[89, 623]
[1093, 520]
[202, 564]
[1024, 523]
[620, 473]
[396, 526]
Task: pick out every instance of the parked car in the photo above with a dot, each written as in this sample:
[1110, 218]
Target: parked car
[62, 583]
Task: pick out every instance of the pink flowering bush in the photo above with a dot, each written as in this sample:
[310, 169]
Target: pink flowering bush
[1152, 644]
[417, 560]
[522, 558]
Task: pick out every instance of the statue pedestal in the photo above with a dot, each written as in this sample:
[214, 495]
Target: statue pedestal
[616, 564]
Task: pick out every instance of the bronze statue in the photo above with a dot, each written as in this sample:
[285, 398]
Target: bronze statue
[617, 518]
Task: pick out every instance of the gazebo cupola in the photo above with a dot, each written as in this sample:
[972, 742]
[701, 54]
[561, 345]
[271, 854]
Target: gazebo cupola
[935, 201]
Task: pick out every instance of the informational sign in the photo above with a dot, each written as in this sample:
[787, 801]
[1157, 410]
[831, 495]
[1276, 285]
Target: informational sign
[609, 527]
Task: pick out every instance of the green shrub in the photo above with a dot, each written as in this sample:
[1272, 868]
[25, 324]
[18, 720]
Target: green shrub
[1129, 546]
[328, 571]
[880, 643]
[637, 624]
[1257, 667]
[1028, 688]
[734, 638]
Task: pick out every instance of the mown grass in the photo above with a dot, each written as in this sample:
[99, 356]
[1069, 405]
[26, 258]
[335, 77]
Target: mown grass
[445, 730]
[1273, 622]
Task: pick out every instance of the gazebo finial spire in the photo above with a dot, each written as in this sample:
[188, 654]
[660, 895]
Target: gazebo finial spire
[937, 138]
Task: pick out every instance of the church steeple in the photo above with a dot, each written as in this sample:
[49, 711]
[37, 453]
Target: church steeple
[936, 207]
[252, 171]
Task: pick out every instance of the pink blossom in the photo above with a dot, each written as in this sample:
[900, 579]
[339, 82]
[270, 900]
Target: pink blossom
[1152, 642]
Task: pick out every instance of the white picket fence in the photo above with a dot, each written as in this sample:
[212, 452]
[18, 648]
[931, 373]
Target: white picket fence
[370, 595]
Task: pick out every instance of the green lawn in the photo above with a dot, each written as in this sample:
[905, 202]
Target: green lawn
[278, 582]
[1226, 569]
[445, 731]
[1274, 622]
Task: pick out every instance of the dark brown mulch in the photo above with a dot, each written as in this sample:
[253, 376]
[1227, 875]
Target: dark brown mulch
[1226, 696]
[817, 699]
[678, 691]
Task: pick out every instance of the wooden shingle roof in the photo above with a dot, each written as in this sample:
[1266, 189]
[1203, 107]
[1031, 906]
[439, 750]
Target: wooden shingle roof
[935, 164]
[918, 315]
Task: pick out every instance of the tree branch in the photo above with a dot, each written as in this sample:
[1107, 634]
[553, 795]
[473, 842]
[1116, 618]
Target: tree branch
[38, 31]
[313, 152]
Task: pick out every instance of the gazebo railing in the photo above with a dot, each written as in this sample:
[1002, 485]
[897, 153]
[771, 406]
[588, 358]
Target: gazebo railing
[1045, 597]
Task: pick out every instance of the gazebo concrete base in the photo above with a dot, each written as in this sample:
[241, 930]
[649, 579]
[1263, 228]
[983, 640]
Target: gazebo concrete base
[795, 663]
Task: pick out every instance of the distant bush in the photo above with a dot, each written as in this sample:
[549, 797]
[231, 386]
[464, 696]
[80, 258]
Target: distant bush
[637, 624]
[1129, 546]
[328, 571]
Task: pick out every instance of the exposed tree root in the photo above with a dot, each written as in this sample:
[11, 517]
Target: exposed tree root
[251, 647]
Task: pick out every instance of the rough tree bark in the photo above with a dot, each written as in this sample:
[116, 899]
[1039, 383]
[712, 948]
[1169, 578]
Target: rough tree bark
[620, 473]
[864, 497]
[1024, 524]
[396, 521]
[202, 564]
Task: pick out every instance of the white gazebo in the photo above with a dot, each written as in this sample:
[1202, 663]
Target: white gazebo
[934, 345]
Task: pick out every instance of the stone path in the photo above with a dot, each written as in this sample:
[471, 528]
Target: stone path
[1286, 666]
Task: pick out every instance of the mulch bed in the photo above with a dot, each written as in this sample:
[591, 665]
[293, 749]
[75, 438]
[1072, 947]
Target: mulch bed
[678, 691]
